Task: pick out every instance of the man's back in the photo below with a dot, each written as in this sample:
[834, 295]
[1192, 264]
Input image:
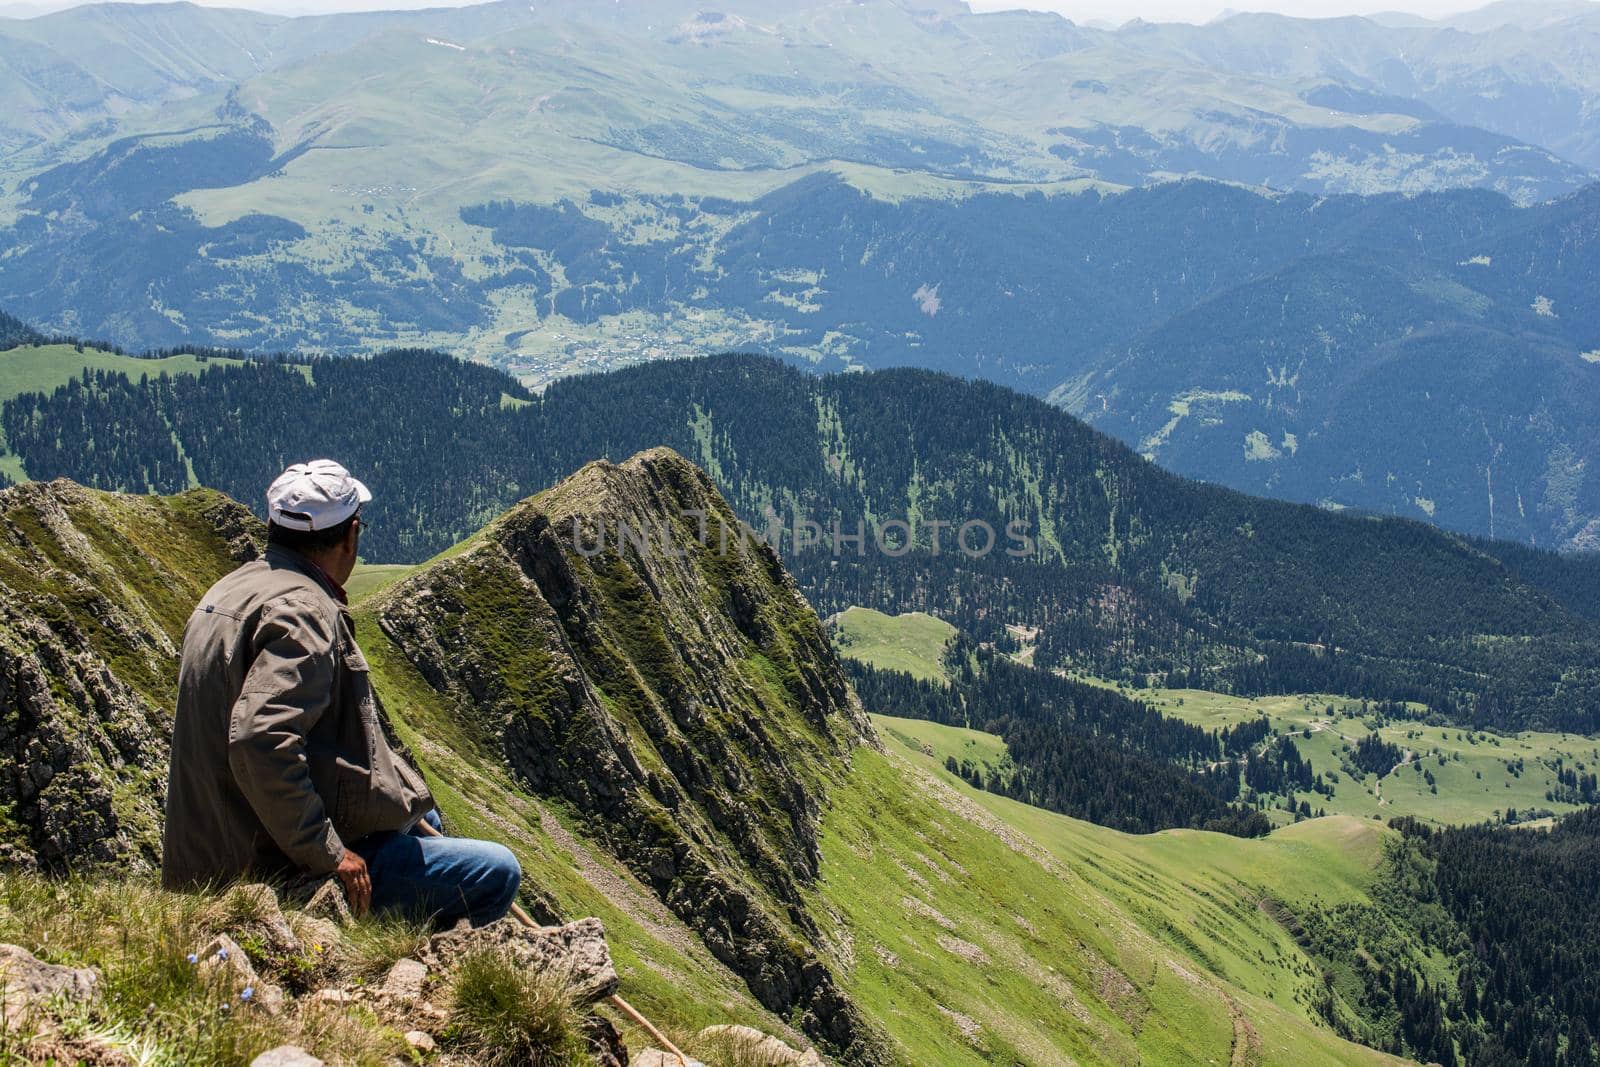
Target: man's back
[278, 756]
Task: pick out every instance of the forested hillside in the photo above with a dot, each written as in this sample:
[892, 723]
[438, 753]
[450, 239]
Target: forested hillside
[1573, 580]
[1478, 948]
[1082, 750]
[1130, 572]
[1523, 902]
[14, 332]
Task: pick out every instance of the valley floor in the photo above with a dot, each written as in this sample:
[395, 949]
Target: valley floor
[1476, 776]
[1448, 775]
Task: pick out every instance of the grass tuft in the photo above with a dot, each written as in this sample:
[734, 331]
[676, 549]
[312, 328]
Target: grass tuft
[373, 945]
[506, 1015]
[731, 1047]
[243, 906]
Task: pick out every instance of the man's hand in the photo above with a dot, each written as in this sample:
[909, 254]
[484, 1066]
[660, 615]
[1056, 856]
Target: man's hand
[352, 872]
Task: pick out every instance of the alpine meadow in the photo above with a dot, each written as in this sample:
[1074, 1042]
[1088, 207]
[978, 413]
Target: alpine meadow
[750, 534]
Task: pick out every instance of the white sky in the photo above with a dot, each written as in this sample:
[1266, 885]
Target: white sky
[1114, 12]
[1204, 10]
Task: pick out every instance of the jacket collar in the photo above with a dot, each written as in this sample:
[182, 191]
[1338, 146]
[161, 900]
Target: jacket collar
[278, 555]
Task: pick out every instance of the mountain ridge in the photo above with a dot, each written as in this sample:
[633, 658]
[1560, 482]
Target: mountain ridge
[89, 631]
[893, 945]
[662, 730]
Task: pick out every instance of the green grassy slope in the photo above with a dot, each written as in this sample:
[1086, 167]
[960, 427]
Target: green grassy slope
[1177, 915]
[913, 642]
[372, 578]
[971, 938]
[986, 932]
[42, 368]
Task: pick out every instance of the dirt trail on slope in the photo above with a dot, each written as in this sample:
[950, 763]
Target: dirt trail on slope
[1377, 787]
[1246, 1042]
[641, 906]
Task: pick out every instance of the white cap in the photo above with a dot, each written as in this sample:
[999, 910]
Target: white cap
[315, 496]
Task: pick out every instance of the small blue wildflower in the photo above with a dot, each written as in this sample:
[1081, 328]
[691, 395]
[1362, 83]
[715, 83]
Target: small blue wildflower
[248, 992]
[193, 958]
[222, 953]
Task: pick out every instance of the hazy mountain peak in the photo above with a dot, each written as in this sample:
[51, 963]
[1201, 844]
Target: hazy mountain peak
[1521, 14]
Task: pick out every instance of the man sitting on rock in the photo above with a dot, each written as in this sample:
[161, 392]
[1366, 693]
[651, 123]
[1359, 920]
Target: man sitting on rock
[280, 763]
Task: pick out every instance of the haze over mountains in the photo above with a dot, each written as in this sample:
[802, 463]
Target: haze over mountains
[1378, 298]
[992, 741]
[556, 97]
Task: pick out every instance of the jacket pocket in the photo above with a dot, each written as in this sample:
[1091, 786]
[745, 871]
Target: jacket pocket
[352, 790]
[354, 659]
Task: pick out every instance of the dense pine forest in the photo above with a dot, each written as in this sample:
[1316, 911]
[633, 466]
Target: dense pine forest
[14, 332]
[1133, 573]
[1482, 946]
[1082, 750]
[1573, 580]
[1524, 901]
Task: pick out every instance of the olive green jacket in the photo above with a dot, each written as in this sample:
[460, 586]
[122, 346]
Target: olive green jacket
[279, 755]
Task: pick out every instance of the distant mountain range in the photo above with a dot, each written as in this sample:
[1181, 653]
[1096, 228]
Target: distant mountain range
[535, 97]
[566, 186]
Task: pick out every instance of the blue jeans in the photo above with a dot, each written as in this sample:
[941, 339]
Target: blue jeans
[440, 878]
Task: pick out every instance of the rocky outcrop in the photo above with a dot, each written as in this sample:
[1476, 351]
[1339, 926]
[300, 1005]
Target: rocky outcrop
[744, 1044]
[628, 651]
[94, 591]
[226, 966]
[29, 988]
[286, 1056]
[578, 950]
[280, 974]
